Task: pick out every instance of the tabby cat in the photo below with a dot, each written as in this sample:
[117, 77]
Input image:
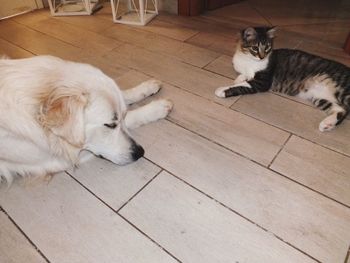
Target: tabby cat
[293, 72]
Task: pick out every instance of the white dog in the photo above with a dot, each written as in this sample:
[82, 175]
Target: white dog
[52, 110]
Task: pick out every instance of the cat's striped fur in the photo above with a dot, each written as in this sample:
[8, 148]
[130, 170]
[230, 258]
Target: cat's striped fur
[293, 72]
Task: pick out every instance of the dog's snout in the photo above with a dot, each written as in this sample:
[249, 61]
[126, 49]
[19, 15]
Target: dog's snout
[137, 152]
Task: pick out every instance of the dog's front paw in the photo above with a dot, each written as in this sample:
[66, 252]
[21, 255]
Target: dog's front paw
[161, 108]
[151, 86]
[220, 92]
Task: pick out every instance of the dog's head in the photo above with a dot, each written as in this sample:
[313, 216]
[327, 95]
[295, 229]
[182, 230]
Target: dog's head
[90, 119]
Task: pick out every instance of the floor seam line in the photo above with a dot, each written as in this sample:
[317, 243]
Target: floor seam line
[255, 162]
[116, 212]
[36, 248]
[238, 214]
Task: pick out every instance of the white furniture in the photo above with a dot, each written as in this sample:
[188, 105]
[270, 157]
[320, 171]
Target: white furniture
[134, 12]
[73, 7]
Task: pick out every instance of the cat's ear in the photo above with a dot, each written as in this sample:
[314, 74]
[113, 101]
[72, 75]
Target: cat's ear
[249, 34]
[271, 32]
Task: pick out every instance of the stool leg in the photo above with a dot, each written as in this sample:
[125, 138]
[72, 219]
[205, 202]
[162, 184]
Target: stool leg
[156, 6]
[142, 12]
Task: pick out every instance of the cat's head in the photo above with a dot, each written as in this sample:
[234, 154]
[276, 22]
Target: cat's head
[257, 41]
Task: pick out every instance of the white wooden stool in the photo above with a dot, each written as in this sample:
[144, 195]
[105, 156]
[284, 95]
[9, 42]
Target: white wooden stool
[131, 13]
[73, 7]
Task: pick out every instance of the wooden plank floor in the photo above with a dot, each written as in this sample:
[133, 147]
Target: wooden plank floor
[247, 179]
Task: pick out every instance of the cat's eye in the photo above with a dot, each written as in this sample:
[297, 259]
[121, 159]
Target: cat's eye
[255, 49]
[112, 125]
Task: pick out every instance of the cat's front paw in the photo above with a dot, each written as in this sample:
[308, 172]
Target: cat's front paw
[327, 124]
[220, 92]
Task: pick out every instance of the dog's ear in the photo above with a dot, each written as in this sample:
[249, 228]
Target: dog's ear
[62, 113]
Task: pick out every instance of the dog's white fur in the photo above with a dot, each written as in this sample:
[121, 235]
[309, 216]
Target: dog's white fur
[52, 110]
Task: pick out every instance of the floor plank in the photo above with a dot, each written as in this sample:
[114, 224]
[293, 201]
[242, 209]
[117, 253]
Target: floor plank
[241, 11]
[301, 217]
[13, 51]
[295, 12]
[223, 66]
[153, 42]
[76, 227]
[14, 247]
[217, 43]
[38, 43]
[114, 184]
[295, 117]
[204, 24]
[317, 167]
[331, 34]
[169, 30]
[91, 23]
[108, 67]
[74, 35]
[193, 79]
[32, 17]
[198, 229]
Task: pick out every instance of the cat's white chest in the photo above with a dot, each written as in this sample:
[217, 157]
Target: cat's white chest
[247, 65]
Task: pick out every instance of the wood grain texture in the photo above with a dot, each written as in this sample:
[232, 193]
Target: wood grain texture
[114, 184]
[39, 43]
[294, 117]
[169, 30]
[240, 11]
[193, 79]
[14, 247]
[71, 34]
[198, 229]
[95, 23]
[76, 227]
[317, 167]
[108, 67]
[153, 42]
[301, 217]
[92, 23]
[13, 51]
[223, 66]
[217, 43]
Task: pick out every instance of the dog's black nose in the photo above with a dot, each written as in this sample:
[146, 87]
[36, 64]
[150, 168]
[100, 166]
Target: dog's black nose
[137, 152]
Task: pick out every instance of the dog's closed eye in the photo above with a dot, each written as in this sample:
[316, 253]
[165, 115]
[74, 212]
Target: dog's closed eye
[111, 125]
